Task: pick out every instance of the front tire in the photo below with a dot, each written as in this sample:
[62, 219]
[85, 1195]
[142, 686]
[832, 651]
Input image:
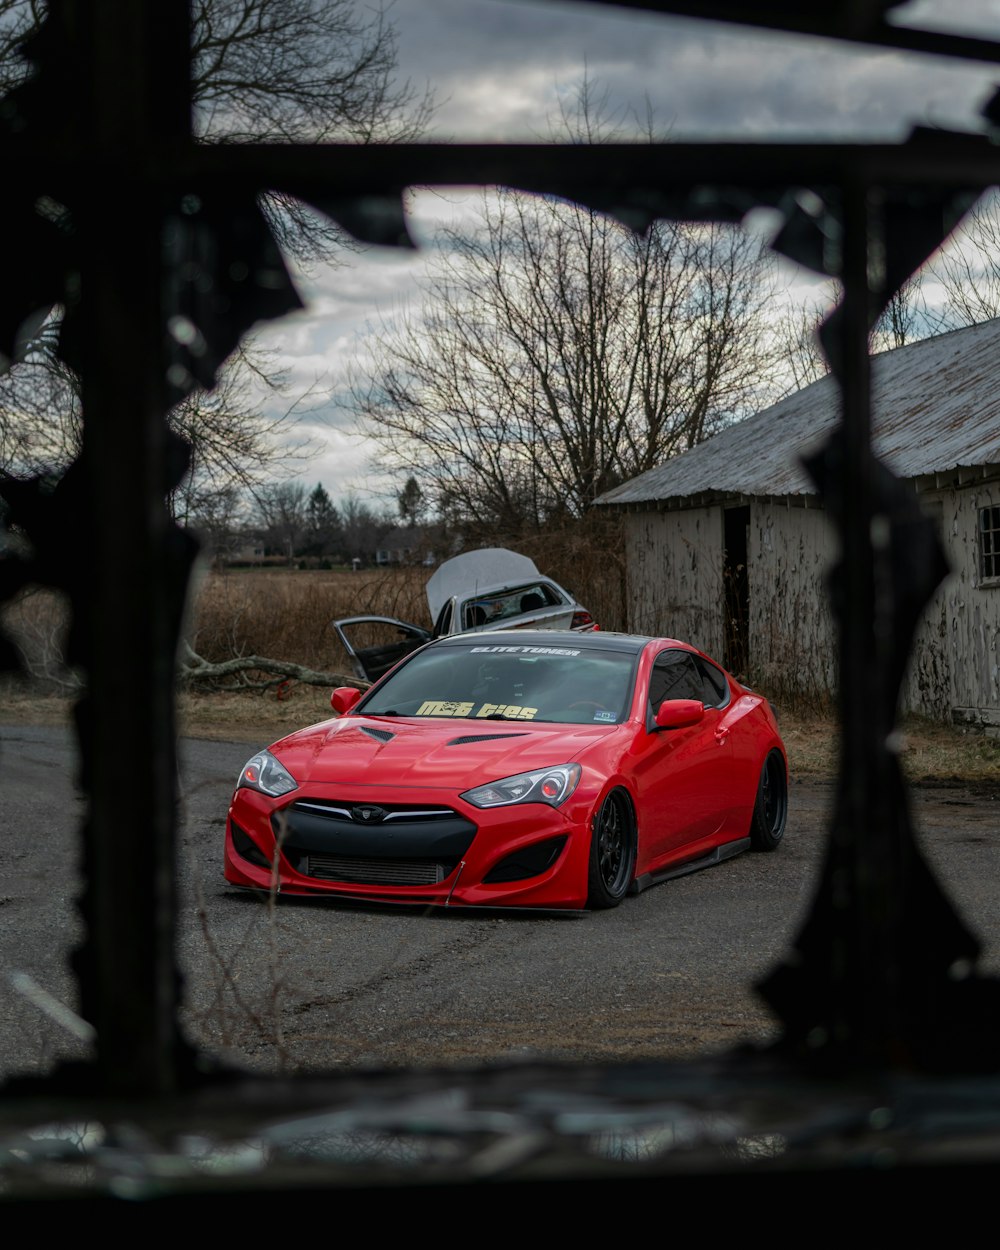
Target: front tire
[770, 810]
[612, 852]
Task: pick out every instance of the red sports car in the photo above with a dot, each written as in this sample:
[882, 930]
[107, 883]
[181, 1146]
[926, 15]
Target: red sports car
[552, 769]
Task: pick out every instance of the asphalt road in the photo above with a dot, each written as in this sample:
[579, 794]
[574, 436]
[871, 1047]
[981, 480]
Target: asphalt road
[307, 985]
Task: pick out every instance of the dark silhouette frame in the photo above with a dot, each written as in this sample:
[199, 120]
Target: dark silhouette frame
[868, 993]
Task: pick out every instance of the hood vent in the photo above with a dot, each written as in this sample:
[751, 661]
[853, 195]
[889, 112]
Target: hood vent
[461, 742]
[383, 735]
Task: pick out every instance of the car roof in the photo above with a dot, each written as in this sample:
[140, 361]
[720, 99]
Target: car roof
[597, 640]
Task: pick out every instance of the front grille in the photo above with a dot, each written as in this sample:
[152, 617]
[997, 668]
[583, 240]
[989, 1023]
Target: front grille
[393, 811]
[338, 840]
[374, 871]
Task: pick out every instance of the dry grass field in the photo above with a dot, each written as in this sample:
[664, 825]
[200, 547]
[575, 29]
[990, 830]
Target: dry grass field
[285, 614]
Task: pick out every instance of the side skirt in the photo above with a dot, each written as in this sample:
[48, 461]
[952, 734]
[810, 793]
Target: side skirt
[726, 851]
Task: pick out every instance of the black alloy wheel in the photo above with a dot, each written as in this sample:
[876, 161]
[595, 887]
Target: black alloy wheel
[612, 852]
[771, 808]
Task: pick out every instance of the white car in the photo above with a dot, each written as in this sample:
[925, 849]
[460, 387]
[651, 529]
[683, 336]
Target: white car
[492, 588]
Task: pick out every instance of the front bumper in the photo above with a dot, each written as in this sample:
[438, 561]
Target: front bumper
[427, 848]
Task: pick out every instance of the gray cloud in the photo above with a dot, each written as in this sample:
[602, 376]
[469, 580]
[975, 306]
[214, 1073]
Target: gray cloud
[497, 66]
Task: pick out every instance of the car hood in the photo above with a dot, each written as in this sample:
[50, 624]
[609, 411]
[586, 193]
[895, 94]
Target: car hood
[453, 753]
[478, 572]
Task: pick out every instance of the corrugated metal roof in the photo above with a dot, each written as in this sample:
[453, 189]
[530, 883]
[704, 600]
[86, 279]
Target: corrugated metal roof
[935, 408]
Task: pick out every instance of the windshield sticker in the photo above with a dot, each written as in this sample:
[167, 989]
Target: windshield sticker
[508, 710]
[450, 707]
[605, 716]
[524, 650]
[435, 707]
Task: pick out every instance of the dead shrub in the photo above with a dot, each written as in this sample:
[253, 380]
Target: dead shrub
[37, 622]
[286, 613]
[586, 557]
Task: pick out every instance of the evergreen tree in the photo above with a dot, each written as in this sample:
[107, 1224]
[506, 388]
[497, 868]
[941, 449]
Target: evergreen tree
[324, 530]
[412, 504]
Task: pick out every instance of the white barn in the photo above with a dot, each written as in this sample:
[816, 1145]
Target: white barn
[727, 545]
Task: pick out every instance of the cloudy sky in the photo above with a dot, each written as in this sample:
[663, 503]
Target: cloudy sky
[498, 70]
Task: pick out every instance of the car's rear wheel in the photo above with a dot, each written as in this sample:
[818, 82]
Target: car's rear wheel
[612, 852]
[771, 807]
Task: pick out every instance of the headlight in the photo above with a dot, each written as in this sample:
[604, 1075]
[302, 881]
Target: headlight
[547, 785]
[265, 774]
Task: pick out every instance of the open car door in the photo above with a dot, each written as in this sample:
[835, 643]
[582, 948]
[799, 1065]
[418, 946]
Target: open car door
[375, 643]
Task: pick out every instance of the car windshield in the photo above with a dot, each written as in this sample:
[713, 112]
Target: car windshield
[571, 685]
[501, 606]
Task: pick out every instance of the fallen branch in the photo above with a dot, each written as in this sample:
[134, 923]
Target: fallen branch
[194, 668]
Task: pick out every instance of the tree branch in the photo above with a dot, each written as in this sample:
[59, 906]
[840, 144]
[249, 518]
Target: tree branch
[193, 668]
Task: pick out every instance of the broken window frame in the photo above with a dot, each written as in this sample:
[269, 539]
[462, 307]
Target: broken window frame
[126, 67]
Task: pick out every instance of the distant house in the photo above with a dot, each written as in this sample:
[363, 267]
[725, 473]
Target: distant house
[727, 545]
[246, 553]
[407, 544]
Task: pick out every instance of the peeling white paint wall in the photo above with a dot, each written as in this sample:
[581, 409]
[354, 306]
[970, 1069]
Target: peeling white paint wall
[674, 573]
[973, 610]
[792, 640]
[927, 686]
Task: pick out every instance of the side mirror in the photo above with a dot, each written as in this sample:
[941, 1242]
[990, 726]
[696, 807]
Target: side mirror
[344, 698]
[679, 713]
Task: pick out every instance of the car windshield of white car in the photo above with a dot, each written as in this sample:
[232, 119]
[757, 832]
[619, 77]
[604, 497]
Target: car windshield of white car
[517, 601]
[569, 685]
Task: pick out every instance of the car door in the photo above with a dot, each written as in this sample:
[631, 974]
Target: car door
[681, 773]
[374, 644]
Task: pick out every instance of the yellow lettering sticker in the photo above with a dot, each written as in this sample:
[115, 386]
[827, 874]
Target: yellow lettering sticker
[435, 707]
[510, 710]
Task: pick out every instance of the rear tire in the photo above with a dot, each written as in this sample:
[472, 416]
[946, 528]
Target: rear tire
[770, 810]
[612, 852]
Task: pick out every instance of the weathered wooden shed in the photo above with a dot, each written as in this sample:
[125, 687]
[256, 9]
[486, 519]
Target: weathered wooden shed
[727, 546]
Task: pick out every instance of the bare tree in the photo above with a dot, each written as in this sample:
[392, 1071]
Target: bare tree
[262, 70]
[39, 411]
[18, 20]
[239, 435]
[282, 515]
[558, 353]
[292, 71]
[905, 319]
[901, 321]
[220, 519]
[967, 268]
[235, 440]
[299, 71]
[362, 528]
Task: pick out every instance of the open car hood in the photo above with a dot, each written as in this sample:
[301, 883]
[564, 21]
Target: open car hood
[477, 572]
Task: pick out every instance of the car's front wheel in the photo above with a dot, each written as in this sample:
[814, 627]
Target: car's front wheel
[771, 807]
[612, 852]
